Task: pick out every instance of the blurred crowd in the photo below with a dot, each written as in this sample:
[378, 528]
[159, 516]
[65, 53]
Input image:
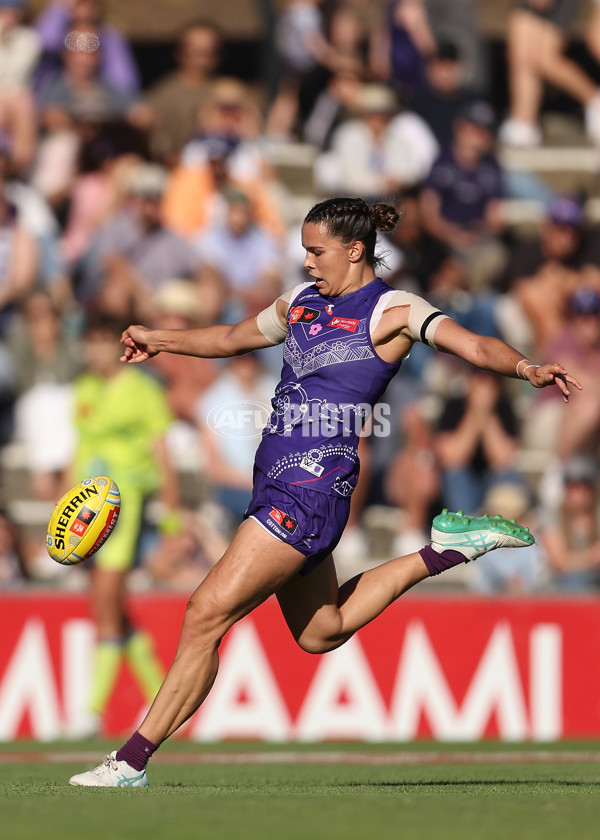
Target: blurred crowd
[165, 203]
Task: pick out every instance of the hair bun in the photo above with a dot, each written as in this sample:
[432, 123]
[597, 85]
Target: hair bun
[384, 217]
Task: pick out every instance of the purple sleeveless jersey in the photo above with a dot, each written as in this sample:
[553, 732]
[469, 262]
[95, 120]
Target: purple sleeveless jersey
[330, 381]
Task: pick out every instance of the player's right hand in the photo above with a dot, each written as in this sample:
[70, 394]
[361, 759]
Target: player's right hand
[138, 344]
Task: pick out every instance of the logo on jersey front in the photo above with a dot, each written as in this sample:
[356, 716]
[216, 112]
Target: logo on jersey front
[311, 466]
[348, 324]
[287, 522]
[303, 315]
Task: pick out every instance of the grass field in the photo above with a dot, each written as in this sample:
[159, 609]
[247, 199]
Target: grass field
[409, 792]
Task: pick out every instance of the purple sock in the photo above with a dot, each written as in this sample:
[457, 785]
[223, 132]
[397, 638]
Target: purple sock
[437, 562]
[137, 751]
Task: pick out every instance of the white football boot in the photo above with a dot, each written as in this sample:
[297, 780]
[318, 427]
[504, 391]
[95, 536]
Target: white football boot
[473, 536]
[111, 773]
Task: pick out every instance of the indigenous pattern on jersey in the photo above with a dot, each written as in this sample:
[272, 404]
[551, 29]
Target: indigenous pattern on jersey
[330, 381]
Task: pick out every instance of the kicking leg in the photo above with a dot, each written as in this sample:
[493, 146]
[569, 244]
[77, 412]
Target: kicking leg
[322, 616]
[254, 566]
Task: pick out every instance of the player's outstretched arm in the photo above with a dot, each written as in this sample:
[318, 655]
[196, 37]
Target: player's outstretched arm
[495, 355]
[216, 342]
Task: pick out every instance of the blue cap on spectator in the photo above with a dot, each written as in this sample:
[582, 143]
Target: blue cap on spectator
[13, 4]
[565, 210]
[478, 112]
[585, 301]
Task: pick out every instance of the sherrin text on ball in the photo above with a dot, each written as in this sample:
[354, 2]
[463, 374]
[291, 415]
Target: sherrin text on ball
[83, 519]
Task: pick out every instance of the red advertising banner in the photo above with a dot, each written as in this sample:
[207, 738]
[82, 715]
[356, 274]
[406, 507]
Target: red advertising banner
[448, 668]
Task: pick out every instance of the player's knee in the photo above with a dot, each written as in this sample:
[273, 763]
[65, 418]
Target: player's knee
[317, 643]
[203, 622]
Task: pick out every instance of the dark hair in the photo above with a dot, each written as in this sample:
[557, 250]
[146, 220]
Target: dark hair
[105, 323]
[350, 219]
[199, 23]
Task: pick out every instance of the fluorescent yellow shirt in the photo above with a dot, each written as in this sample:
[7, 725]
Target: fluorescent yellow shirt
[119, 421]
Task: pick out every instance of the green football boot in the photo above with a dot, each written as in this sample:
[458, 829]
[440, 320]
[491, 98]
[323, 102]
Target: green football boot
[473, 536]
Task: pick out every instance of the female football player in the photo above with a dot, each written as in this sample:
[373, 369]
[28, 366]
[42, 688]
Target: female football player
[345, 336]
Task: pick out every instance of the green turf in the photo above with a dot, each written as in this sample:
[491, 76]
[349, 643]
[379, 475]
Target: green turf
[305, 801]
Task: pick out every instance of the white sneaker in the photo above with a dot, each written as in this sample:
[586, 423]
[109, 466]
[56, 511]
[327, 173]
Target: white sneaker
[473, 536]
[111, 773]
[520, 135]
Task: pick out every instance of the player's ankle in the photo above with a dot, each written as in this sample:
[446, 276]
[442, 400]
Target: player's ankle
[137, 751]
[440, 561]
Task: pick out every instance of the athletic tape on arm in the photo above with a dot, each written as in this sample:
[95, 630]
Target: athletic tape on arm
[423, 318]
[268, 320]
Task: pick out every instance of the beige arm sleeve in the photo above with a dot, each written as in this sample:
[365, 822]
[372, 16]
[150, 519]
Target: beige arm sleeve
[423, 318]
[268, 320]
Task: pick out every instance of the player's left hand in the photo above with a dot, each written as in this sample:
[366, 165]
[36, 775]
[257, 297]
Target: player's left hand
[553, 374]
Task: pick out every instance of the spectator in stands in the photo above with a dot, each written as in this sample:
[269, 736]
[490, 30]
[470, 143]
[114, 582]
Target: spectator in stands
[379, 151]
[544, 271]
[546, 429]
[8, 377]
[55, 165]
[19, 46]
[331, 106]
[461, 198]
[302, 47]
[78, 87]
[401, 45]
[412, 480]
[47, 359]
[171, 105]
[415, 255]
[44, 351]
[35, 217]
[195, 195]
[477, 441]
[571, 532]
[421, 263]
[19, 53]
[536, 42]
[445, 95]
[231, 112]
[230, 417]
[135, 252]
[19, 258]
[242, 258]
[13, 564]
[513, 573]
[109, 151]
[117, 68]
[459, 23]
[183, 561]
[121, 418]
[182, 304]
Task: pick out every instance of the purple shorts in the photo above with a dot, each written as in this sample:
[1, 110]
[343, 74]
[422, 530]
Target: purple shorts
[309, 521]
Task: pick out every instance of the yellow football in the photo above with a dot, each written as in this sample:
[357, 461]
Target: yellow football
[83, 519]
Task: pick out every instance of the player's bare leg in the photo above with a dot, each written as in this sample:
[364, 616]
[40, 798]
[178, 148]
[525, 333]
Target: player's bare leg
[254, 566]
[322, 616]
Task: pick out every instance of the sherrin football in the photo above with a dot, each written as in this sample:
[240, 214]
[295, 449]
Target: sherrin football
[83, 519]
